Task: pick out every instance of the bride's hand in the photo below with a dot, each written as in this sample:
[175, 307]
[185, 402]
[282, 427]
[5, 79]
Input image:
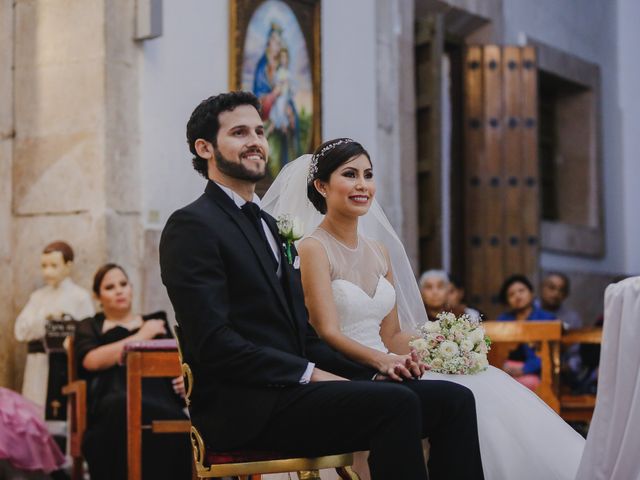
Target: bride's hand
[398, 367]
[421, 365]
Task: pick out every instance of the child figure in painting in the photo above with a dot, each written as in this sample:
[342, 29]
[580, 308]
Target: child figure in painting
[281, 115]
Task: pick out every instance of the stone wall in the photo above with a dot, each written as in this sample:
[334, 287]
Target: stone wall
[6, 153]
[74, 172]
[396, 165]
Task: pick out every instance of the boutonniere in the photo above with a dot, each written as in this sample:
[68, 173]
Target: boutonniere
[290, 229]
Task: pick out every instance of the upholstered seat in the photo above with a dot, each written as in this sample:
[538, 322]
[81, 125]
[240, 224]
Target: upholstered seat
[240, 456]
[251, 464]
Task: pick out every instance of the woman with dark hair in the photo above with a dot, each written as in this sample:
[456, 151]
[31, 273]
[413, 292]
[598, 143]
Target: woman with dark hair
[363, 299]
[517, 294]
[99, 343]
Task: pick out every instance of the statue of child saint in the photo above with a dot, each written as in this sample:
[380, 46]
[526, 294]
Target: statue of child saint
[60, 298]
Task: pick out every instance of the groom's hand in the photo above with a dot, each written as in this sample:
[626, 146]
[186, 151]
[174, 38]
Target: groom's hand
[321, 376]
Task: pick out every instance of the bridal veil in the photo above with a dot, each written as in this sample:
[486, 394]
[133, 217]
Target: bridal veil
[288, 195]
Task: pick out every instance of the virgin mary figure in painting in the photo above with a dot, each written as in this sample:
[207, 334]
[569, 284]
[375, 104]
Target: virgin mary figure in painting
[271, 84]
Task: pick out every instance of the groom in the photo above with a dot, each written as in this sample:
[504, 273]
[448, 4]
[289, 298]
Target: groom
[263, 379]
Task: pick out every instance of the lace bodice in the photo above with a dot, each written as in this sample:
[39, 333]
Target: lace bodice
[362, 295]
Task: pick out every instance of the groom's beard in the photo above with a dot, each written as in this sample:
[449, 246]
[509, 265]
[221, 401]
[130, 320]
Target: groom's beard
[237, 169]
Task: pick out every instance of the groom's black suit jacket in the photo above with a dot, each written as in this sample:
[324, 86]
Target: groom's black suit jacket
[246, 332]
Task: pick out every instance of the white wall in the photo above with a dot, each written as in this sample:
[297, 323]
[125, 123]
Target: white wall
[189, 62]
[586, 29]
[629, 105]
[348, 71]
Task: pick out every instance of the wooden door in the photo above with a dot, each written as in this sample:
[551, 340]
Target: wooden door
[501, 184]
[429, 49]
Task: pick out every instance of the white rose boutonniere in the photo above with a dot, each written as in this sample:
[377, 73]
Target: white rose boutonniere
[290, 229]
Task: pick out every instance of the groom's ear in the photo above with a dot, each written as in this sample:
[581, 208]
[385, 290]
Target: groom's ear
[204, 148]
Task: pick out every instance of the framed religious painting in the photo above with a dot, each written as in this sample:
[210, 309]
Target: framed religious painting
[275, 53]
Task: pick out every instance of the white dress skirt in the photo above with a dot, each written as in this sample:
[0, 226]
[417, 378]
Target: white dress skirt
[521, 438]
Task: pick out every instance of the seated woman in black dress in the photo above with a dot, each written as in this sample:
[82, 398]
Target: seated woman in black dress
[99, 342]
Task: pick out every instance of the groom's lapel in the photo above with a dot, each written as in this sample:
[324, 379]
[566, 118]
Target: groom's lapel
[290, 280]
[253, 237]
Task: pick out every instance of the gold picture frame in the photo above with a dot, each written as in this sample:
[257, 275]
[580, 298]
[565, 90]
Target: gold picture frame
[275, 53]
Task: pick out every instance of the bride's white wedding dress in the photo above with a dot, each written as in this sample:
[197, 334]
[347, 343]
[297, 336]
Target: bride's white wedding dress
[520, 436]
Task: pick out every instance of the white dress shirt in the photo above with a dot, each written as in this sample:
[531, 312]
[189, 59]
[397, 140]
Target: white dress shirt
[239, 201]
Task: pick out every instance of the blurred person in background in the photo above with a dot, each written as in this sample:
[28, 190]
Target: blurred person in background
[434, 288]
[456, 298]
[554, 291]
[517, 294]
[99, 343]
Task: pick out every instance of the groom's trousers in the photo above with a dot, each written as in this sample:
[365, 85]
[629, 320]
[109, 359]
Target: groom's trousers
[388, 419]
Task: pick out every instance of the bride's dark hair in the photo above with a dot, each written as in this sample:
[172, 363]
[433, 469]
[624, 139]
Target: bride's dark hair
[326, 159]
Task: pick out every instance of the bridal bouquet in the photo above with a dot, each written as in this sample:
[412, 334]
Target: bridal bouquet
[453, 345]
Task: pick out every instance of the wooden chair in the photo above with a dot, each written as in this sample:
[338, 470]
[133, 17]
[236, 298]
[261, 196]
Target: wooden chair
[578, 408]
[77, 406]
[76, 390]
[505, 336]
[147, 359]
[251, 465]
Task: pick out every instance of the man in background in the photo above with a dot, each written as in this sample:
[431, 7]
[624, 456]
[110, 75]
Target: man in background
[554, 291]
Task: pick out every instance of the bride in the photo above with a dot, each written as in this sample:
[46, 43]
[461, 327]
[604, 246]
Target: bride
[363, 299]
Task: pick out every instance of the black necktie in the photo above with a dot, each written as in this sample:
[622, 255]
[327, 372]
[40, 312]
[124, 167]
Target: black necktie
[252, 212]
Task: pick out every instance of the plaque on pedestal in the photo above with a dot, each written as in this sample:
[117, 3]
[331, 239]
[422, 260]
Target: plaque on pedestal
[56, 333]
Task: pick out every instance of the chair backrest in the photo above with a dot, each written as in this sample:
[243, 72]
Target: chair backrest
[72, 367]
[506, 335]
[76, 390]
[186, 369]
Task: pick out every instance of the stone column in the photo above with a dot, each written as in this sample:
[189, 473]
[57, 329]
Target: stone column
[6, 153]
[75, 164]
[396, 105]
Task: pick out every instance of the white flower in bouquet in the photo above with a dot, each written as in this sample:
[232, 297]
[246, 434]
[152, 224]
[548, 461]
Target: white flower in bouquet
[448, 349]
[449, 317]
[431, 327]
[482, 348]
[476, 335]
[420, 344]
[478, 360]
[475, 358]
[466, 345]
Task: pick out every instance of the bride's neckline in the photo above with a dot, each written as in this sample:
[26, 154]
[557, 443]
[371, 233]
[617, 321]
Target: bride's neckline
[351, 249]
[375, 293]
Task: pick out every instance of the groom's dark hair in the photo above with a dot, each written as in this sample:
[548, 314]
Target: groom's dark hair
[326, 160]
[204, 122]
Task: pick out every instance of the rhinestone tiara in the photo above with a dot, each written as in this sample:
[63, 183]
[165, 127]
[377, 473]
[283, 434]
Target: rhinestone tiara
[313, 166]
